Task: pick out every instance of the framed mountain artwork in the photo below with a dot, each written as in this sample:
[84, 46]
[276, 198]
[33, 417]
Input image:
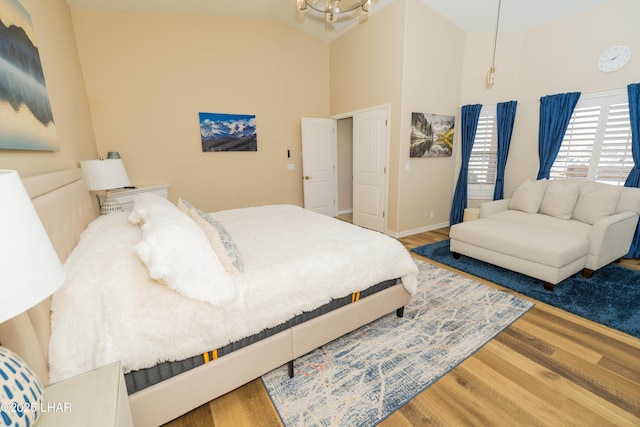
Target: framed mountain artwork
[431, 135]
[228, 132]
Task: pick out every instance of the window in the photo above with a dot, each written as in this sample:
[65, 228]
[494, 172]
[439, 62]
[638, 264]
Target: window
[597, 144]
[484, 155]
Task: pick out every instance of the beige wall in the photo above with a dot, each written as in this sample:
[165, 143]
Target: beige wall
[555, 58]
[410, 57]
[56, 43]
[432, 75]
[149, 75]
[366, 71]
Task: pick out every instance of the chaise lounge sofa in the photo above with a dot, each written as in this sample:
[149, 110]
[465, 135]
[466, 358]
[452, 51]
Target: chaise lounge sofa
[552, 229]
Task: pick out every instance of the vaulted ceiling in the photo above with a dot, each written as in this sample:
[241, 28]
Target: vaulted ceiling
[469, 15]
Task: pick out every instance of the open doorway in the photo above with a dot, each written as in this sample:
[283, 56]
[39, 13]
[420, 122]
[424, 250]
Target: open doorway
[345, 168]
[363, 143]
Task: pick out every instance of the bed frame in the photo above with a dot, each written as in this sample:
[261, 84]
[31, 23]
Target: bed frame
[66, 208]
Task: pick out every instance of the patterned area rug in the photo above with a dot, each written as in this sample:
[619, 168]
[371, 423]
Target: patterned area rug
[363, 377]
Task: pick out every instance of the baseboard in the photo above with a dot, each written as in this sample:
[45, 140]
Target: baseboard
[346, 211]
[406, 233]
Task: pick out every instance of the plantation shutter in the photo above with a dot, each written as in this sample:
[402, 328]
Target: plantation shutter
[574, 157]
[597, 144]
[484, 155]
[615, 155]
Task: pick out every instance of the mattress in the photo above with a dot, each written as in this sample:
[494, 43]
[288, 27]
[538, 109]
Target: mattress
[295, 261]
[140, 379]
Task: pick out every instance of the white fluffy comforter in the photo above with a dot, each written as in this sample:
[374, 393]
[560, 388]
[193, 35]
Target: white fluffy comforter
[294, 261]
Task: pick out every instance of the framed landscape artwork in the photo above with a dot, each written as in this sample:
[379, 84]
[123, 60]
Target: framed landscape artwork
[431, 135]
[26, 120]
[228, 132]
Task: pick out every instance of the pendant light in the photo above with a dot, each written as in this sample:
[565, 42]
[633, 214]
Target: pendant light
[491, 74]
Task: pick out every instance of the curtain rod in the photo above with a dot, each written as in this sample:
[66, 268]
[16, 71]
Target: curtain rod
[603, 90]
[582, 93]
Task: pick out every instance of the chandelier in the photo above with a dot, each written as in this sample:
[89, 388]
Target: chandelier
[332, 8]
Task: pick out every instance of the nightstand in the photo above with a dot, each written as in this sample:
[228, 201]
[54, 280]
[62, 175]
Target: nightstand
[97, 398]
[126, 195]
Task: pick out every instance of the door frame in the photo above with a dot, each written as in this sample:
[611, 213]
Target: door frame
[351, 114]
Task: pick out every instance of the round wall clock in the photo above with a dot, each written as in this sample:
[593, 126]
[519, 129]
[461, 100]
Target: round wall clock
[614, 58]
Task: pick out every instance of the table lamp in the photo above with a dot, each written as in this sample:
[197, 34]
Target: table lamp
[105, 175]
[30, 271]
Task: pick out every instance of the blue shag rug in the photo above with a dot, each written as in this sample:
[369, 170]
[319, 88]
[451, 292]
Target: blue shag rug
[611, 297]
[363, 377]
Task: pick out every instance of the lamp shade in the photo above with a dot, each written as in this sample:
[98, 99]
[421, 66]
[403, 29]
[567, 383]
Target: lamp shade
[104, 174]
[30, 269]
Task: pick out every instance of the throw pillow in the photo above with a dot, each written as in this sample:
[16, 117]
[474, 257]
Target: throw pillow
[594, 205]
[560, 198]
[177, 253]
[229, 250]
[182, 206]
[528, 196]
[215, 241]
[150, 204]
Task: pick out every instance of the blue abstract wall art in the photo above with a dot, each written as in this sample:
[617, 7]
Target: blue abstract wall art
[26, 120]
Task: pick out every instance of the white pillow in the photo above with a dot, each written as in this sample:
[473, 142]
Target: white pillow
[594, 205]
[560, 199]
[150, 204]
[528, 196]
[176, 252]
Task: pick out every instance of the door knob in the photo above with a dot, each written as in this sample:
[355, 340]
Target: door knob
[307, 177]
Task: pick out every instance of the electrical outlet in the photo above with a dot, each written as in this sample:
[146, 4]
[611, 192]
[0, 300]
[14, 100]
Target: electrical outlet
[432, 215]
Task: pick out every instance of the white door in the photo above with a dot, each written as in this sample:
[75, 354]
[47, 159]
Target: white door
[370, 158]
[319, 146]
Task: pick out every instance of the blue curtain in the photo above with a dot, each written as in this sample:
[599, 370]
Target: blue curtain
[633, 180]
[506, 114]
[469, 118]
[555, 114]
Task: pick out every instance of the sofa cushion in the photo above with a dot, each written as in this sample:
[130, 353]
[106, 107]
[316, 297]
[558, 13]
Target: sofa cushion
[537, 244]
[571, 226]
[595, 203]
[528, 196]
[629, 200]
[560, 198]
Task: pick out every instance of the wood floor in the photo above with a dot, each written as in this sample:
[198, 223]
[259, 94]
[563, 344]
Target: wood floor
[549, 368]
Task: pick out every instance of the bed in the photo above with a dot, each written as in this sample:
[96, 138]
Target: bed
[275, 328]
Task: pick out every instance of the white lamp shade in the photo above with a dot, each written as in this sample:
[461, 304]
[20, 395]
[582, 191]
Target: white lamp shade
[30, 269]
[104, 174]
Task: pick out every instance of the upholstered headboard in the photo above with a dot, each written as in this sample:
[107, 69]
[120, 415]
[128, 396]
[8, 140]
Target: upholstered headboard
[65, 208]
